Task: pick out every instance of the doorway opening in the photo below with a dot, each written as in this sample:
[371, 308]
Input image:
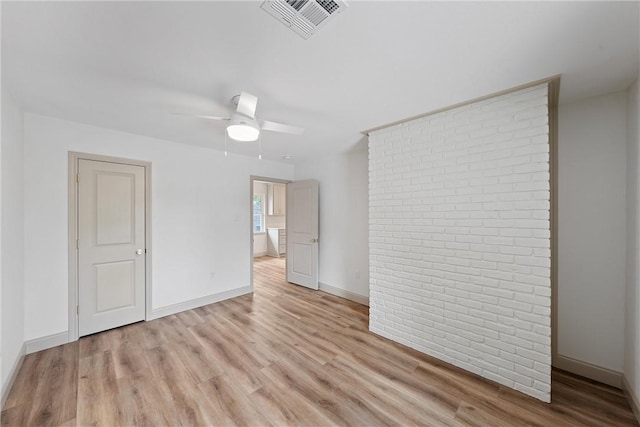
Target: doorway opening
[268, 231]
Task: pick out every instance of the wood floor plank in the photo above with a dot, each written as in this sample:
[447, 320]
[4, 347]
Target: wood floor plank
[151, 334]
[553, 413]
[461, 385]
[285, 356]
[94, 344]
[477, 417]
[439, 410]
[377, 401]
[245, 341]
[585, 407]
[61, 375]
[98, 397]
[233, 402]
[311, 391]
[309, 343]
[29, 376]
[144, 401]
[189, 318]
[16, 415]
[234, 362]
[127, 360]
[285, 407]
[180, 389]
[591, 390]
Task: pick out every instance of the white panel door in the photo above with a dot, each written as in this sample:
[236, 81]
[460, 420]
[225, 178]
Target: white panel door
[302, 233]
[111, 245]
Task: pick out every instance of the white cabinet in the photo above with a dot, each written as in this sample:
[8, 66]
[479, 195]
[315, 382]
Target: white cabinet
[277, 242]
[277, 199]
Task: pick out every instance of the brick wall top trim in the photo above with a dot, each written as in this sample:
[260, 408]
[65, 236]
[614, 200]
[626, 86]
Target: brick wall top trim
[552, 81]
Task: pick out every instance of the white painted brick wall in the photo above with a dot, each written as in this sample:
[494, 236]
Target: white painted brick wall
[460, 239]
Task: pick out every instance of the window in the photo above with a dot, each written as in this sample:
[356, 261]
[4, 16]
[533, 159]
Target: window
[258, 213]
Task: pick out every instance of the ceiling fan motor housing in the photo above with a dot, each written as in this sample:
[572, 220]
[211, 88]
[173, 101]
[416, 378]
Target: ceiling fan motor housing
[243, 128]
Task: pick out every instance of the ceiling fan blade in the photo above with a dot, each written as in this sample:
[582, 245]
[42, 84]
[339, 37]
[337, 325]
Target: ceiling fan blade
[213, 117]
[200, 116]
[280, 127]
[247, 104]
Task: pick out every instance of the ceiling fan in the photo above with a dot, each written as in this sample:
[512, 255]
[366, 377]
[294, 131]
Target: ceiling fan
[243, 125]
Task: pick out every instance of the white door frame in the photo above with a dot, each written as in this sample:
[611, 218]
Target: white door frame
[74, 158]
[253, 178]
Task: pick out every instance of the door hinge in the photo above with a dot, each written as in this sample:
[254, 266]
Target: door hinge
[77, 177]
[77, 309]
[77, 244]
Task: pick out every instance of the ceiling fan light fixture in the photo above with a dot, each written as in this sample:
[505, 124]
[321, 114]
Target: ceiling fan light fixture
[243, 126]
[243, 130]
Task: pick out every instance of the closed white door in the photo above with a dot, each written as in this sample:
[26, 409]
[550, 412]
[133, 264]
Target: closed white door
[302, 233]
[111, 245]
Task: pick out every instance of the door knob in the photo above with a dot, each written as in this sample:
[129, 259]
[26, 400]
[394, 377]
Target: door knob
[314, 240]
[139, 251]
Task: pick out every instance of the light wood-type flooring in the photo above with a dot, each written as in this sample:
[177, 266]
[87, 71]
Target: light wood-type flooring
[285, 355]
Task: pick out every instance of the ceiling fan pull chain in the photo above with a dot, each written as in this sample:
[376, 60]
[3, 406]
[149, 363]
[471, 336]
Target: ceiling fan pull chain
[260, 146]
[226, 142]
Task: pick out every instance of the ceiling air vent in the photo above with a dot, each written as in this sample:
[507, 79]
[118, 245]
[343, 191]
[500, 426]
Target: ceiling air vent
[304, 17]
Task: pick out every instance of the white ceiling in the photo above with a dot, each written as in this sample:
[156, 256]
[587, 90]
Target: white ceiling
[128, 66]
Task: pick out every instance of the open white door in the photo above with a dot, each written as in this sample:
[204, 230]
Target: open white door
[302, 233]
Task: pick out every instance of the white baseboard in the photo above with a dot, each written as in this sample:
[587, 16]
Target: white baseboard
[49, 341]
[6, 387]
[259, 254]
[198, 302]
[343, 293]
[588, 370]
[632, 398]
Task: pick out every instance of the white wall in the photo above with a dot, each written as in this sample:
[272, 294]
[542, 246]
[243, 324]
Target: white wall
[632, 335]
[591, 230]
[12, 237]
[260, 239]
[343, 234]
[460, 238]
[200, 218]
